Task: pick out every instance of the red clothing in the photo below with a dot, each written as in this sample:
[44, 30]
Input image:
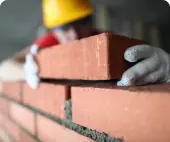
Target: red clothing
[47, 41]
[50, 40]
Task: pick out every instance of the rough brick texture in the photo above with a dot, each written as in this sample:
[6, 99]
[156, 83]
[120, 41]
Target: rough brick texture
[49, 131]
[138, 114]
[1, 87]
[99, 57]
[12, 89]
[23, 116]
[24, 137]
[132, 114]
[4, 137]
[48, 97]
[4, 106]
[17, 133]
[11, 128]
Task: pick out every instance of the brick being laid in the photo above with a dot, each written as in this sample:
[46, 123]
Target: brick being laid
[99, 57]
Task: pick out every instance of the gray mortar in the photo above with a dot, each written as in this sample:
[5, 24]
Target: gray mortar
[68, 110]
[98, 137]
[92, 134]
[8, 133]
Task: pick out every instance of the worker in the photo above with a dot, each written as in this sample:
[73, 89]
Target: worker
[73, 20]
[68, 21]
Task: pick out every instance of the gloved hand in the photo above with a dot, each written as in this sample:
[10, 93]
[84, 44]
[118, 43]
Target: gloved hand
[154, 66]
[31, 68]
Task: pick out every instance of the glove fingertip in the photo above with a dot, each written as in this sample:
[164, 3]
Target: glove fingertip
[124, 82]
[33, 81]
[33, 85]
[119, 83]
[130, 56]
[29, 57]
[34, 49]
[168, 81]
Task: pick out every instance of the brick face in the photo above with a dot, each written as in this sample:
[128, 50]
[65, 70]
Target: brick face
[12, 89]
[134, 114]
[50, 131]
[23, 116]
[137, 114]
[4, 137]
[4, 106]
[24, 137]
[12, 129]
[1, 87]
[18, 134]
[48, 97]
[2, 118]
[93, 58]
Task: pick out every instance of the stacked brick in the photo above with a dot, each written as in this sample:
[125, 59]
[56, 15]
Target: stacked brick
[60, 111]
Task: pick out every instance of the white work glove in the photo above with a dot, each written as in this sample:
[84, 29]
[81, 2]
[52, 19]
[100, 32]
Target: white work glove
[31, 68]
[154, 66]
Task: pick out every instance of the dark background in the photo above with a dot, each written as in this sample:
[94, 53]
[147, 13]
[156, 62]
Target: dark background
[21, 20]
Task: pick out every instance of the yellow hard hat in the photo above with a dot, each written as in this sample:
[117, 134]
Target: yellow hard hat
[60, 12]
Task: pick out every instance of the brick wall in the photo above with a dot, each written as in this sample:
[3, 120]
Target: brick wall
[63, 110]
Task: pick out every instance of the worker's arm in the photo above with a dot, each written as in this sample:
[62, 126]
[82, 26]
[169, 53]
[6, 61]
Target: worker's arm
[31, 67]
[20, 57]
[11, 69]
[154, 66]
[41, 43]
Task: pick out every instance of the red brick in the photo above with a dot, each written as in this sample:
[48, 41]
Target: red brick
[9, 126]
[2, 118]
[1, 87]
[93, 58]
[18, 134]
[12, 129]
[24, 137]
[4, 106]
[23, 116]
[12, 89]
[49, 131]
[137, 114]
[48, 97]
[4, 137]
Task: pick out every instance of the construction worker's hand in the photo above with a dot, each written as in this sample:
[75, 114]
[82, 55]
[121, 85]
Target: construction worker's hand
[153, 66]
[31, 68]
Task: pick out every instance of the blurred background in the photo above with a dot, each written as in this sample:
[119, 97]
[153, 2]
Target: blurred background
[21, 22]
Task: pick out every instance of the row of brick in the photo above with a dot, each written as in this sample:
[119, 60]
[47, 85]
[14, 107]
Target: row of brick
[95, 60]
[48, 97]
[43, 128]
[13, 130]
[10, 127]
[135, 114]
